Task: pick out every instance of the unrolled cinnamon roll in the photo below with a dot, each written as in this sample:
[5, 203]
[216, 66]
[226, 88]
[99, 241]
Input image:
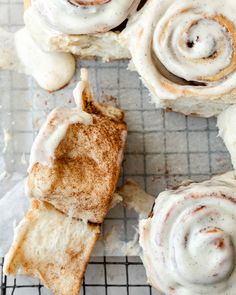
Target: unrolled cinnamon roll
[189, 241]
[52, 247]
[76, 158]
[185, 53]
[82, 27]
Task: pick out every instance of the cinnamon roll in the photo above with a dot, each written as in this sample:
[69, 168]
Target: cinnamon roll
[185, 53]
[82, 27]
[189, 242]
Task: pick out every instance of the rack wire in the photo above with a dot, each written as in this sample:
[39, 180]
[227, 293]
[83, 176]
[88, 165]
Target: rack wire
[163, 149]
[106, 287]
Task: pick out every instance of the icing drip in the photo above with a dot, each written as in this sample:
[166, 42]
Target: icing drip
[56, 125]
[80, 87]
[18, 52]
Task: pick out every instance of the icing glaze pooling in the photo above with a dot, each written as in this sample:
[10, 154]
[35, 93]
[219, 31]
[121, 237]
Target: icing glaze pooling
[18, 52]
[55, 128]
[189, 242]
[84, 17]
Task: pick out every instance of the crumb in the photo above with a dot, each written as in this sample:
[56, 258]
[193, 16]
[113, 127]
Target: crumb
[112, 99]
[23, 159]
[155, 177]
[7, 137]
[134, 197]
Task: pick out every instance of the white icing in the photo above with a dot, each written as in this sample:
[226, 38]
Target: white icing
[55, 128]
[7, 137]
[8, 57]
[51, 70]
[157, 37]
[189, 243]
[67, 18]
[20, 53]
[207, 37]
[80, 87]
[226, 123]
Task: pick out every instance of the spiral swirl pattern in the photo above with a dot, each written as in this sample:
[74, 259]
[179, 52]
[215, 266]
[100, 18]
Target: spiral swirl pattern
[185, 48]
[84, 16]
[189, 243]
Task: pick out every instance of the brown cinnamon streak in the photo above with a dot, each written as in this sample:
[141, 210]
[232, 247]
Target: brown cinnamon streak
[89, 3]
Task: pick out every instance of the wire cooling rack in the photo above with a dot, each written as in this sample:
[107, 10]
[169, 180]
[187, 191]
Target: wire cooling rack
[107, 284]
[163, 149]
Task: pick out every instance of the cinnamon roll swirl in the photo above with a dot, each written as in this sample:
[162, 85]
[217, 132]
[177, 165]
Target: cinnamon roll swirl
[185, 53]
[82, 27]
[189, 241]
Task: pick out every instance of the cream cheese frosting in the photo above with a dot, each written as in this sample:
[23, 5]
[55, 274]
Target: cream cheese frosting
[19, 52]
[189, 241]
[226, 123]
[185, 49]
[56, 125]
[84, 17]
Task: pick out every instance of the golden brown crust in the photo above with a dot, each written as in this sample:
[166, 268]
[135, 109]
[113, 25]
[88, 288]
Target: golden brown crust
[27, 4]
[85, 171]
[89, 3]
[92, 107]
[40, 251]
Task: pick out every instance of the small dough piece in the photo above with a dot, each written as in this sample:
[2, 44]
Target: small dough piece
[134, 197]
[19, 52]
[52, 247]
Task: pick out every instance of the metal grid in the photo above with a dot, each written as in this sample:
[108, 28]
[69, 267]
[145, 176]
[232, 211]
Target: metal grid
[106, 285]
[163, 149]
